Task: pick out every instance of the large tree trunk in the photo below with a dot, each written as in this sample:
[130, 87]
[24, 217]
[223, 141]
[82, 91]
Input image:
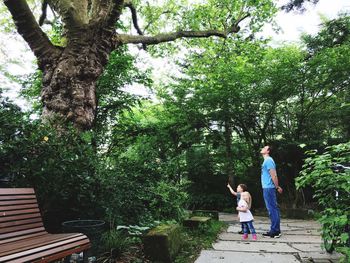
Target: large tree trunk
[69, 86]
[69, 83]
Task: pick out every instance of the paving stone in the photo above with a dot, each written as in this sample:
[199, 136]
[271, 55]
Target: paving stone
[308, 225]
[261, 227]
[311, 260]
[285, 238]
[300, 242]
[307, 247]
[212, 256]
[334, 257]
[303, 231]
[253, 246]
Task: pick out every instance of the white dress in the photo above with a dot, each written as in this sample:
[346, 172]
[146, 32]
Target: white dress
[244, 216]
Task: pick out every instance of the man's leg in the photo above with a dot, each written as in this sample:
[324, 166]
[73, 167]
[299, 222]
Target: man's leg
[272, 207]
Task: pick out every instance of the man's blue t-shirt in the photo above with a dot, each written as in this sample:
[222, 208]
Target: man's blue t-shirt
[266, 180]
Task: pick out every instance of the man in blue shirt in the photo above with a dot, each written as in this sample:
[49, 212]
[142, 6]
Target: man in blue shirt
[269, 182]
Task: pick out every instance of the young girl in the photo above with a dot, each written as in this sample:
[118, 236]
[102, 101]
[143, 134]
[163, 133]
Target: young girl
[245, 216]
[240, 189]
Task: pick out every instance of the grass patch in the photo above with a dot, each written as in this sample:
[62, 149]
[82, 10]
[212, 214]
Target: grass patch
[196, 240]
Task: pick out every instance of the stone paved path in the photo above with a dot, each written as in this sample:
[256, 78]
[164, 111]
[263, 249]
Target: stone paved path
[300, 242]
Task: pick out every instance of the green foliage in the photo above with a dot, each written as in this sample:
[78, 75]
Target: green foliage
[137, 174]
[169, 201]
[198, 239]
[60, 168]
[207, 188]
[114, 242]
[334, 33]
[332, 190]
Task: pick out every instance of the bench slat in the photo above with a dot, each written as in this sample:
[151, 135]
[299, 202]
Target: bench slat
[18, 202]
[17, 217]
[19, 228]
[22, 233]
[57, 254]
[16, 197]
[42, 251]
[17, 207]
[19, 212]
[20, 222]
[11, 191]
[20, 238]
[40, 241]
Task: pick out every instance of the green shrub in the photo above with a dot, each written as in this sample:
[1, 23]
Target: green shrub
[114, 242]
[194, 240]
[332, 191]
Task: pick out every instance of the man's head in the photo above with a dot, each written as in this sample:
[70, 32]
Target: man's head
[266, 150]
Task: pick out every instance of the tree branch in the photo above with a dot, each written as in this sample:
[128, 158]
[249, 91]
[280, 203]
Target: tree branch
[161, 38]
[134, 16]
[74, 13]
[167, 37]
[43, 13]
[29, 29]
[135, 20]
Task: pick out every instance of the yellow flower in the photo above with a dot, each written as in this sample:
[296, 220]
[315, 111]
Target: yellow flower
[45, 138]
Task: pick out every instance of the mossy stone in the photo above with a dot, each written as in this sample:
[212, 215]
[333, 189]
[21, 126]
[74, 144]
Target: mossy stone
[162, 243]
[208, 213]
[196, 221]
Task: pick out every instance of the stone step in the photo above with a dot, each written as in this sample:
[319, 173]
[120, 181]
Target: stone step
[196, 221]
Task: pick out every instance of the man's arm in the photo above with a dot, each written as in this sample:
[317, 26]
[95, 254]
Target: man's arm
[274, 178]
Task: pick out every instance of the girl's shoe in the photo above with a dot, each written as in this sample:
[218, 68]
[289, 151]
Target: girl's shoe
[245, 236]
[254, 237]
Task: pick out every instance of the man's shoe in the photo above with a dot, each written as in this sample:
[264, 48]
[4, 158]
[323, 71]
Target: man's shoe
[276, 235]
[240, 232]
[267, 234]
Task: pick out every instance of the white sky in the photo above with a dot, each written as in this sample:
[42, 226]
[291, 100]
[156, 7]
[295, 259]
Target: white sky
[292, 24]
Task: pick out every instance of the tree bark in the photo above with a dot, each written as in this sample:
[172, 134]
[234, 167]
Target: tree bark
[69, 83]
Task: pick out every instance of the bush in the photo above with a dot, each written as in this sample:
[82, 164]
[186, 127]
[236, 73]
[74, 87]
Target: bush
[62, 169]
[114, 242]
[332, 191]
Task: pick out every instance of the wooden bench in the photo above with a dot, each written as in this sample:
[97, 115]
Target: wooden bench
[22, 234]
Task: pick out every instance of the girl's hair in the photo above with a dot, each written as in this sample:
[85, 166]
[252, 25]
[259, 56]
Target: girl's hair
[244, 187]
